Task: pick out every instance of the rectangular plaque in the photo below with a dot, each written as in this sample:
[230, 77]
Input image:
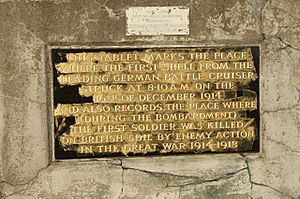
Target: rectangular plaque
[155, 101]
[157, 20]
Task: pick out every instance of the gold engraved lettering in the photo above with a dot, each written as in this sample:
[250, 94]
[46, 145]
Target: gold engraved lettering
[176, 100]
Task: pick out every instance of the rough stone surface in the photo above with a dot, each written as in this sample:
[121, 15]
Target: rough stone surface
[28, 27]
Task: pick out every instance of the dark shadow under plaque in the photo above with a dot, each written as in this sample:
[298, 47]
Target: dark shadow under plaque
[155, 101]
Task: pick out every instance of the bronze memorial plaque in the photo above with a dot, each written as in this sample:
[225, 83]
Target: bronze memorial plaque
[155, 101]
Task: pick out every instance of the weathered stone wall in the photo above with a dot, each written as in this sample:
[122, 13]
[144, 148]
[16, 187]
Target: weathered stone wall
[29, 27]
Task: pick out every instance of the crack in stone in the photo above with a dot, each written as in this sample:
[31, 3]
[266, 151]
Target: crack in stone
[280, 109]
[109, 11]
[284, 145]
[179, 192]
[21, 30]
[198, 180]
[252, 182]
[260, 5]
[22, 23]
[31, 179]
[111, 162]
[287, 48]
[194, 5]
[226, 176]
[13, 193]
[287, 27]
[287, 45]
[248, 169]
[280, 192]
[263, 9]
[292, 72]
[23, 186]
[122, 189]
